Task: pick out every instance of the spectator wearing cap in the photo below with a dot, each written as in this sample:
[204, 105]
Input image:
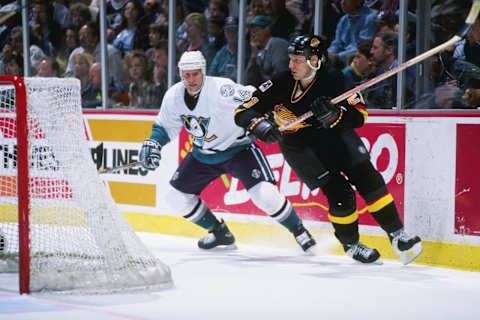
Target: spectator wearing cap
[269, 55]
[362, 65]
[356, 24]
[225, 62]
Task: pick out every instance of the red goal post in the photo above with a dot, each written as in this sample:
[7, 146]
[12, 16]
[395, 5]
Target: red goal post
[59, 226]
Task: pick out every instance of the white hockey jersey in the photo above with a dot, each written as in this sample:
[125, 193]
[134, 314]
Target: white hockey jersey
[211, 123]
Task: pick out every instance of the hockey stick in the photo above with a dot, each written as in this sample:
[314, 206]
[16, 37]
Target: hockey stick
[472, 16]
[120, 168]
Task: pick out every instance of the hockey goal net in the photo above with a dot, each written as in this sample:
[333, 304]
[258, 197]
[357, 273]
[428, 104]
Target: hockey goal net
[59, 226]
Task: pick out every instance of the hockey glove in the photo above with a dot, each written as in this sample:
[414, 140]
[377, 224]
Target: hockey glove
[150, 154]
[264, 130]
[329, 115]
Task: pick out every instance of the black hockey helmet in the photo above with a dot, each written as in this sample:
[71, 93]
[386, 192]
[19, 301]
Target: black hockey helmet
[308, 46]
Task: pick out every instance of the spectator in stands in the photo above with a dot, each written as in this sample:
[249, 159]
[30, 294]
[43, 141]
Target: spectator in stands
[269, 54]
[79, 14]
[255, 8]
[196, 36]
[6, 51]
[385, 21]
[48, 67]
[384, 94]
[36, 53]
[217, 8]
[284, 23]
[83, 62]
[362, 66]
[157, 33]
[160, 67]
[114, 13]
[13, 64]
[90, 43]
[92, 93]
[225, 62]
[69, 44]
[153, 11]
[331, 16]
[356, 24]
[469, 48]
[133, 31]
[216, 38]
[143, 92]
[45, 32]
[472, 94]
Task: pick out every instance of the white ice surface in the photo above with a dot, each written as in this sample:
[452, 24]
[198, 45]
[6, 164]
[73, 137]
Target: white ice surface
[256, 282]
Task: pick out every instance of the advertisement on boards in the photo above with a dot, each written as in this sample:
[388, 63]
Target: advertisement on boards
[386, 145]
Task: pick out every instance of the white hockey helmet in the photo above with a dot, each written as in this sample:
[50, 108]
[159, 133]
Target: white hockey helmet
[192, 60]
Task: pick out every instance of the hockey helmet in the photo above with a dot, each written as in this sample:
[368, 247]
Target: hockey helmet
[308, 46]
[192, 60]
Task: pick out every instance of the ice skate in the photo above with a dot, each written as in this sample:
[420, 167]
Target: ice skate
[362, 253]
[221, 236]
[304, 238]
[406, 246]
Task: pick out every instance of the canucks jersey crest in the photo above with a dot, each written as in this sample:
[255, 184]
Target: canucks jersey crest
[282, 115]
[198, 129]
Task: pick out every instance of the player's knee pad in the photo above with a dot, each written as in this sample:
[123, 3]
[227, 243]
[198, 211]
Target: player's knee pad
[267, 197]
[340, 196]
[182, 203]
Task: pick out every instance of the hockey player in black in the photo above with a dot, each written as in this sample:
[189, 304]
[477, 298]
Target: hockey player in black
[326, 145]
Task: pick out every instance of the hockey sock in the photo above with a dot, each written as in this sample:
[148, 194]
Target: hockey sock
[388, 218]
[207, 221]
[292, 220]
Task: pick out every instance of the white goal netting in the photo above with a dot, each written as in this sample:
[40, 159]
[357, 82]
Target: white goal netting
[79, 240]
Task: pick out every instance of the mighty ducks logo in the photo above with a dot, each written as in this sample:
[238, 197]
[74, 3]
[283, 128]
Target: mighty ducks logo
[198, 129]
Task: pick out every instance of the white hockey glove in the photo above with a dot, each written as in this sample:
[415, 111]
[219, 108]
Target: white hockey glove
[150, 154]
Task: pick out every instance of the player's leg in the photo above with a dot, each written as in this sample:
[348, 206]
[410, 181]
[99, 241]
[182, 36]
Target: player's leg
[371, 186]
[3, 243]
[188, 181]
[253, 170]
[344, 217]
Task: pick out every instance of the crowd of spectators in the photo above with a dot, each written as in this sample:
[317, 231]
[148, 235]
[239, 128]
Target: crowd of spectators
[361, 38]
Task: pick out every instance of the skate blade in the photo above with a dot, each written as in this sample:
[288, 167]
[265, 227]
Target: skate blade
[221, 248]
[411, 254]
[377, 262]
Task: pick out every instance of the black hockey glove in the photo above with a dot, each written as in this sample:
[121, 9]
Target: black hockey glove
[329, 115]
[264, 130]
[150, 154]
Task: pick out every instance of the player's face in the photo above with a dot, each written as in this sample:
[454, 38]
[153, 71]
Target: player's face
[298, 67]
[193, 80]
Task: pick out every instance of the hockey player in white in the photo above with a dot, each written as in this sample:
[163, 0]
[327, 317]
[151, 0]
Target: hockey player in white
[205, 106]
